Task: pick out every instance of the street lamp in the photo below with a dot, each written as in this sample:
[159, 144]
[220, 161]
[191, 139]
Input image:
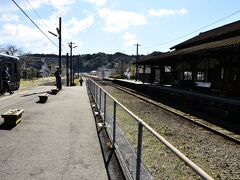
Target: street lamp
[59, 31]
[71, 62]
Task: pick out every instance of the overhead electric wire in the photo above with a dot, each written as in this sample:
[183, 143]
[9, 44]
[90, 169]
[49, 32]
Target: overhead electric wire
[34, 10]
[34, 23]
[180, 37]
[40, 18]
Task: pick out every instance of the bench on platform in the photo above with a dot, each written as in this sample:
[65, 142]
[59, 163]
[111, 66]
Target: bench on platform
[12, 117]
[54, 91]
[43, 98]
[218, 92]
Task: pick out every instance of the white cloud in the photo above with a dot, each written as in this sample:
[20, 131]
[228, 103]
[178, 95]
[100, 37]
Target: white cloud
[60, 6]
[117, 21]
[166, 12]
[19, 31]
[29, 38]
[56, 4]
[32, 38]
[97, 2]
[9, 18]
[75, 26]
[6, 6]
[129, 39]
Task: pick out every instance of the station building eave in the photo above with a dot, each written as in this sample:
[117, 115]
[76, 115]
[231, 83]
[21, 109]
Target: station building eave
[230, 44]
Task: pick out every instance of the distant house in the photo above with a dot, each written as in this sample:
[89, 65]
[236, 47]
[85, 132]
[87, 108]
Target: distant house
[45, 63]
[44, 71]
[93, 73]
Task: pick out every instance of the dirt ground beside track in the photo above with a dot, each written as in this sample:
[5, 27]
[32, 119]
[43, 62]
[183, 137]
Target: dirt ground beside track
[217, 156]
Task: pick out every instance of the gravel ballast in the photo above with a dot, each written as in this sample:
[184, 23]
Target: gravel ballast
[217, 156]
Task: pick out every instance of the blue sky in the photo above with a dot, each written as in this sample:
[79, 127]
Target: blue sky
[110, 25]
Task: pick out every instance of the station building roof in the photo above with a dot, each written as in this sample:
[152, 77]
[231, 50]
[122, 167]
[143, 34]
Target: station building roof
[225, 37]
[223, 32]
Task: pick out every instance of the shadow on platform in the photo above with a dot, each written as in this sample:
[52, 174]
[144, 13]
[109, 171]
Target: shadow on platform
[4, 126]
[25, 95]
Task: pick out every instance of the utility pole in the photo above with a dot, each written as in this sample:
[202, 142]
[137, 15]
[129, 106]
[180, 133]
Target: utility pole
[137, 57]
[71, 63]
[78, 64]
[60, 44]
[70, 45]
[67, 71]
[73, 70]
[59, 34]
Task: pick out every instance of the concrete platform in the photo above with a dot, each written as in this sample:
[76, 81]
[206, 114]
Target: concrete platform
[55, 140]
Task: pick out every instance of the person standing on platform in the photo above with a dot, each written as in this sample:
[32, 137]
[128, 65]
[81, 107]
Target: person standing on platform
[5, 81]
[58, 78]
[81, 81]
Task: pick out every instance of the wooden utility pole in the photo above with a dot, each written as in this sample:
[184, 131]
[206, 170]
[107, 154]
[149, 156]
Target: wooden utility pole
[71, 63]
[67, 70]
[137, 58]
[60, 44]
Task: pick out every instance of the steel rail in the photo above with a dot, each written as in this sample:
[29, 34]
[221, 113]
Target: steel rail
[225, 133]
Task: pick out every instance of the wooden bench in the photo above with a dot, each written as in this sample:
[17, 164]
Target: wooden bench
[43, 98]
[12, 117]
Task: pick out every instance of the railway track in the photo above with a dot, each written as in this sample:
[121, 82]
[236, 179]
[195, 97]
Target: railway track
[201, 122]
[213, 148]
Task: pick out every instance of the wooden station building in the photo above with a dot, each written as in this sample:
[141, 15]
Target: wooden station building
[207, 63]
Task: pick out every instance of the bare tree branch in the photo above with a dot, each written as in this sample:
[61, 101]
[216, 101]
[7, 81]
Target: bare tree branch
[11, 50]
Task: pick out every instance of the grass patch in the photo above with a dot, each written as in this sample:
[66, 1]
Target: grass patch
[35, 82]
[160, 161]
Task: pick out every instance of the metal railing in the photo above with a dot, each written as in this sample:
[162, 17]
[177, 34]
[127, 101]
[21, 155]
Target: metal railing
[100, 96]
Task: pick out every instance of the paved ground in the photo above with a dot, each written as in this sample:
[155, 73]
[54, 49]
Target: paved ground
[55, 140]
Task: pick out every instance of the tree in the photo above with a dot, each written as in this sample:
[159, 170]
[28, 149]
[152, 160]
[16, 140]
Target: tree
[121, 69]
[30, 73]
[11, 50]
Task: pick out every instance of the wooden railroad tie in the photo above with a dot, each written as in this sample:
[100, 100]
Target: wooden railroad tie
[12, 117]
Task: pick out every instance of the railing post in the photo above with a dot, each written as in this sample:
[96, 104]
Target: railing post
[94, 92]
[114, 122]
[92, 88]
[100, 100]
[97, 95]
[105, 108]
[91, 85]
[139, 151]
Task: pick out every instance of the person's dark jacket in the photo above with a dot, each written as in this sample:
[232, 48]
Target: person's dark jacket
[5, 76]
[57, 75]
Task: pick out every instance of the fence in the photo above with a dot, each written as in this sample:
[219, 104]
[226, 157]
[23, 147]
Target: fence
[137, 145]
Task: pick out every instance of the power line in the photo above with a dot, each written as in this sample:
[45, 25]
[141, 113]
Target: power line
[180, 37]
[34, 10]
[33, 22]
[40, 18]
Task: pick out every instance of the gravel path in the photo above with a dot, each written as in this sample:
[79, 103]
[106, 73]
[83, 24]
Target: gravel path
[216, 155]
